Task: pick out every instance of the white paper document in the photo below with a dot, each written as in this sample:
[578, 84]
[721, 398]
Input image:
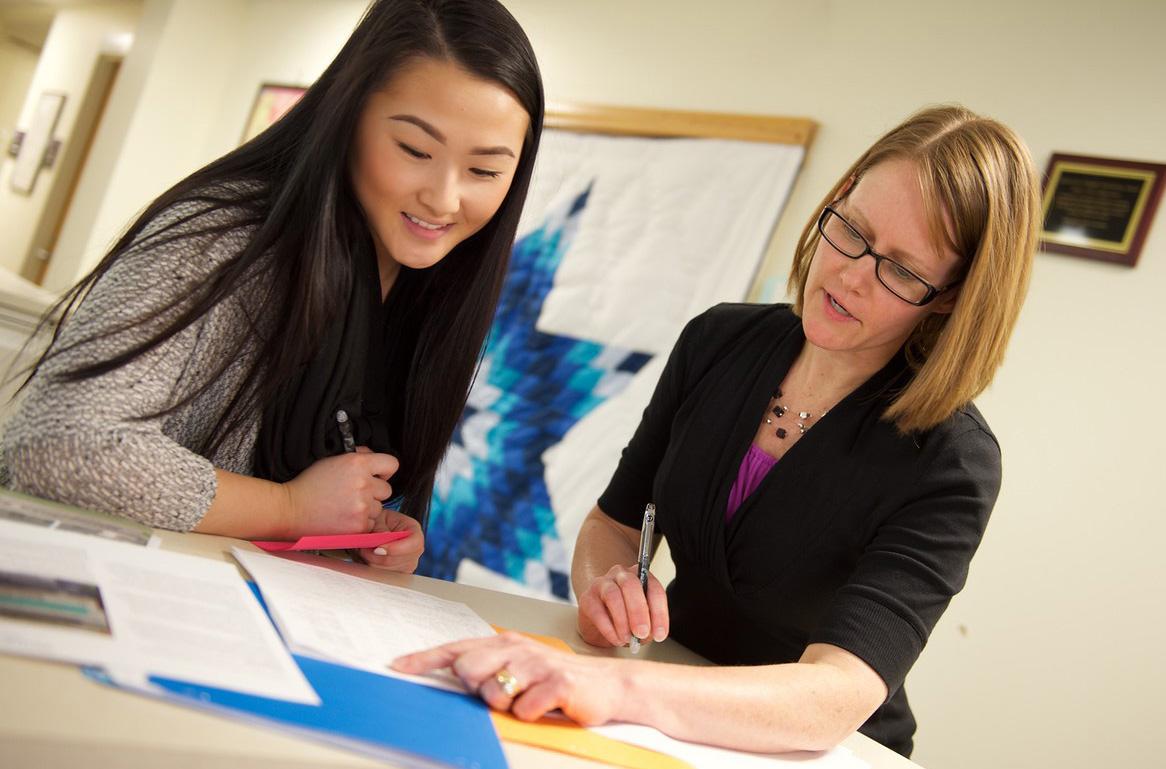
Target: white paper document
[138, 612]
[357, 622]
[709, 757]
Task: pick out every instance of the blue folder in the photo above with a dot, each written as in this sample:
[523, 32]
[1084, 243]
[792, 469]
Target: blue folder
[414, 725]
[391, 715]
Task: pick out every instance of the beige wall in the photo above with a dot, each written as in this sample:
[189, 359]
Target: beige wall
[77, 37]
[1050, 657]
[182, 100]
[166, 103]
[17, 65]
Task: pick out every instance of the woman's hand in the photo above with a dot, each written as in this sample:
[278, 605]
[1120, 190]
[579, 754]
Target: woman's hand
[340, 494]
[613, 608]
[401, 554]
[812, 704]
[587, 689]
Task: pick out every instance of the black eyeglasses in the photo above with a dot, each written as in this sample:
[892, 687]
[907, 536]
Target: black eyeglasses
[897, 279]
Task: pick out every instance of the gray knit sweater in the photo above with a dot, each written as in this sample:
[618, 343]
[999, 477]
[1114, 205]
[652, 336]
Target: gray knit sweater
[85, 443]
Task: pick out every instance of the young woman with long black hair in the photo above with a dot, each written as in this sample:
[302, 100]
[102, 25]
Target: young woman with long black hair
[347, 259]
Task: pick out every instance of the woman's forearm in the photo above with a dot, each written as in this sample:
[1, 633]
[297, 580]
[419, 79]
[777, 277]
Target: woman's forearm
[601, 544]
[340, 494]
[248, 508]
[812, 704]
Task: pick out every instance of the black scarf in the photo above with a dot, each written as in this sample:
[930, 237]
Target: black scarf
[350, 370]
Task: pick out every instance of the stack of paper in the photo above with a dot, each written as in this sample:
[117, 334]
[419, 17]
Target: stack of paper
[344, 630]
[192, 630]
[357, 622]
[138, 612]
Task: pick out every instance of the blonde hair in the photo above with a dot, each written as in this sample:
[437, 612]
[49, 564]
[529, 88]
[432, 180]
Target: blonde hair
[980, 173]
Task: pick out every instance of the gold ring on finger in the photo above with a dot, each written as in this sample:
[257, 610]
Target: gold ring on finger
[507, 683]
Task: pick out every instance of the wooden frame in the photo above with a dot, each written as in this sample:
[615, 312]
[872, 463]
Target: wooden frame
[1099, 208]
[661, 123]
[625, 121]
[634, 121]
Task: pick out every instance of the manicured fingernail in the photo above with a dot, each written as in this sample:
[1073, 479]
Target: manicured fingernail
[641, 631]
[380, 551]
[660, 634]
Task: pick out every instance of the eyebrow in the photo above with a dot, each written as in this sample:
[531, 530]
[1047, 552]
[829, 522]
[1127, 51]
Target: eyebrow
[430, 129]
[855, 217]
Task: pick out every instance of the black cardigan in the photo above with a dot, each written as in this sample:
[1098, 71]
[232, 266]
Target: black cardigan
[858, 537]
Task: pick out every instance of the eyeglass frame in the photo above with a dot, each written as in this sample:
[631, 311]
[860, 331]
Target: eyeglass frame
[932, 291]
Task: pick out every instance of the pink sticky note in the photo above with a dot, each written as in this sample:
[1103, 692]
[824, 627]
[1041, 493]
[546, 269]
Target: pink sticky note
[332, 541]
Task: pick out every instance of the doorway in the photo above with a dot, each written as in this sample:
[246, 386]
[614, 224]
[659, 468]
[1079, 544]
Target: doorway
[72, 159]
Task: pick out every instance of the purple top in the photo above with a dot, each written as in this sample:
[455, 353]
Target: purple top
[753, 469]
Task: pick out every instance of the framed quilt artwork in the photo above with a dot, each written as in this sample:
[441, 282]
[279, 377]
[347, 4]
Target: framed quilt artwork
[636, 221]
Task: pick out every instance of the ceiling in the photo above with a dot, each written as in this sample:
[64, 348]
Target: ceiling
[26, 22]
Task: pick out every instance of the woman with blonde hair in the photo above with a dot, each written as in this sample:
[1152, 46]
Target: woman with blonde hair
[819, 470]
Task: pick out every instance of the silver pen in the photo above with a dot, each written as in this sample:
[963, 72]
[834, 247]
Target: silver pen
[345, 431]
[646, 531]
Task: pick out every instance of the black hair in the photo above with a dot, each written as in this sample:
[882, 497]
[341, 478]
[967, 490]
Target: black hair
[290, 185]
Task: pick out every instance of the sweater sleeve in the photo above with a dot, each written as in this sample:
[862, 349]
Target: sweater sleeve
[631, 485]
[93, 442]
[917, 560]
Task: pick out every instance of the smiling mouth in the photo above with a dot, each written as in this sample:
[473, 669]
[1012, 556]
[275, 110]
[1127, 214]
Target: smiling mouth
[424, 224]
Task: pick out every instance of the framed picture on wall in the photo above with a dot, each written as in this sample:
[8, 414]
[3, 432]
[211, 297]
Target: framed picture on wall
[1099, 208]
[271, 103]
[31, 157]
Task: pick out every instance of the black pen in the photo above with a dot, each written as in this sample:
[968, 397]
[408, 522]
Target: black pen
[646, 530]
[345, 426]
[345, 431]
